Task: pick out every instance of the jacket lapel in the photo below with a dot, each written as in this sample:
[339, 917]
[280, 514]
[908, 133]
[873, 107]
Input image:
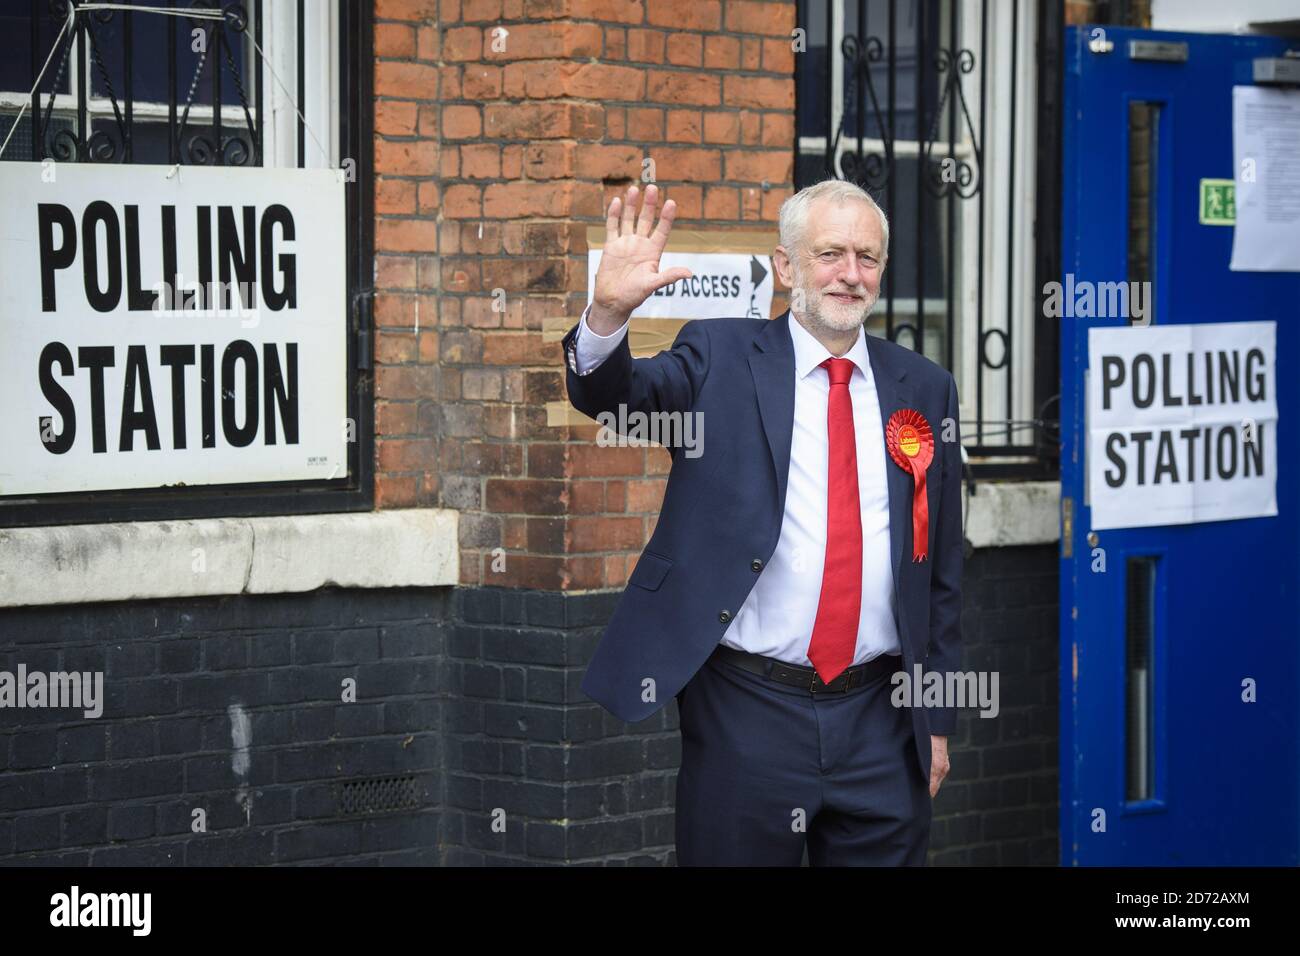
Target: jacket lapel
[893, 393]
[772, 365]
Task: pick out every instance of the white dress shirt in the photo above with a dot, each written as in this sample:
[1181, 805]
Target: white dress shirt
[776, 619]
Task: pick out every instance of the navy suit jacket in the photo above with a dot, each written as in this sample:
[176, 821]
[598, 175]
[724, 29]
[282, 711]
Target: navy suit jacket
[722, 510]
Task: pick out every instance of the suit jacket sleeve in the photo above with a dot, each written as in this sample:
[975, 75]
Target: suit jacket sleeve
[944, 653]
[667, 382]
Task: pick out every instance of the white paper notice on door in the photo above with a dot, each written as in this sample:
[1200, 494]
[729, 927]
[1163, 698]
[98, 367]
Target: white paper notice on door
[1182, 423]
[1266, 154]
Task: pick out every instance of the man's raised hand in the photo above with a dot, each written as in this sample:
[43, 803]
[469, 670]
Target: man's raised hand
[629, 263]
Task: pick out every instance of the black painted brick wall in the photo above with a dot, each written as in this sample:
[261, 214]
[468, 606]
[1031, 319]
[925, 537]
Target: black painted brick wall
[998, 805]
[474, 693]
[120, 790]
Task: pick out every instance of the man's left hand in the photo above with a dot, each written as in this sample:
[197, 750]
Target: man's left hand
[938, 762]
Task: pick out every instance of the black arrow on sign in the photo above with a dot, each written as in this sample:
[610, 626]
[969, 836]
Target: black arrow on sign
[756, 276]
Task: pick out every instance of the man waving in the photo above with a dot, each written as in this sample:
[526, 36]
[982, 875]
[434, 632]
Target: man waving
[810, 552]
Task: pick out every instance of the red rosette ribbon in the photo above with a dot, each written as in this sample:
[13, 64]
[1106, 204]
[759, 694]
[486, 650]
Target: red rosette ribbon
[911, 444]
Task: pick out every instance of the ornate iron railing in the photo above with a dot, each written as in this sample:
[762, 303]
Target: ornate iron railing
[208, 46]
[904, 110]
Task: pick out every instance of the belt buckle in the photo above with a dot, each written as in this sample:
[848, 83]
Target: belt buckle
[837, 685]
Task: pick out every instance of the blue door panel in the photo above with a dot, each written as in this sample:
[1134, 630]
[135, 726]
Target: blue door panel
[1226, 776]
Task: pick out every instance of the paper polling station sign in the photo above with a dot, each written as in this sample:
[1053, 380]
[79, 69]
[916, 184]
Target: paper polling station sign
[169, 326]
[723, 285]
[1182, 423]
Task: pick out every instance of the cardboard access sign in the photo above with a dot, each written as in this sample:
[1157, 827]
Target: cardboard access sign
[727, 282]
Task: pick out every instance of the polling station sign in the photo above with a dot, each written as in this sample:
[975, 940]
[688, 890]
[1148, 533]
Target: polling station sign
[170, 325]
[1182, 423]
[722, 285]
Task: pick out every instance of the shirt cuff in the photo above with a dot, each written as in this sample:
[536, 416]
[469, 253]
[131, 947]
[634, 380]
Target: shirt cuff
[590, 348]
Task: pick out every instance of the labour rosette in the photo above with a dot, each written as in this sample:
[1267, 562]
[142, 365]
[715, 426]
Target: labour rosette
[911, 444]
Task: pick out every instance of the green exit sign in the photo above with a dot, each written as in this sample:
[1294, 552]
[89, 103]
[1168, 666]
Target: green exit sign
[1218, 202]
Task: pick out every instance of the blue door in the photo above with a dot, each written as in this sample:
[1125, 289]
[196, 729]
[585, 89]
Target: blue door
[1180, 674]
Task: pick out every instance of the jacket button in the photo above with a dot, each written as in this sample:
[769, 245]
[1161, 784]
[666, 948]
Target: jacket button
[724, 616]
[756, 565]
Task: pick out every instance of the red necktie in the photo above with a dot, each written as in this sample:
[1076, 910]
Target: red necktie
[835, 631]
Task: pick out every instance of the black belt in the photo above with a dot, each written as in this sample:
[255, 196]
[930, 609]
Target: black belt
[807, 678]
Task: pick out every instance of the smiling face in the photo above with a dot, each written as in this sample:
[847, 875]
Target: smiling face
[837, 265]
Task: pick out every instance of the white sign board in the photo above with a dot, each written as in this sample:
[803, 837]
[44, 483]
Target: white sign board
[723, 285]
[167, 326]
[1182, 423]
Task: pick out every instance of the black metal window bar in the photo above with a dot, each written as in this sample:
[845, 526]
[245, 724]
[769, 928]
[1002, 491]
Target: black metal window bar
[898, 96]
[128, 86]
[79, 114]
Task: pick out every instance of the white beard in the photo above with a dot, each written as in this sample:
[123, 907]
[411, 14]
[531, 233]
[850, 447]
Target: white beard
[822, 310]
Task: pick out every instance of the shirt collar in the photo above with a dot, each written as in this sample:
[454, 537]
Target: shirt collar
[809, 353]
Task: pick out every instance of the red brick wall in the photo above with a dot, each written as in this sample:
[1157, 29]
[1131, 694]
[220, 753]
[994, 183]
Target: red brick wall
[491, 166]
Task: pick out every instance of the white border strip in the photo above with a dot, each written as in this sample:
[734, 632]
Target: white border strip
[1010, 513]
[139, 561]
[132, 561]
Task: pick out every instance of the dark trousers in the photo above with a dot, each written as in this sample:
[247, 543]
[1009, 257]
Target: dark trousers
[766, 767]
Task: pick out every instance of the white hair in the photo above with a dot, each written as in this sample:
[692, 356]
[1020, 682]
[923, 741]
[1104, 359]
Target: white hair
[793, 217]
